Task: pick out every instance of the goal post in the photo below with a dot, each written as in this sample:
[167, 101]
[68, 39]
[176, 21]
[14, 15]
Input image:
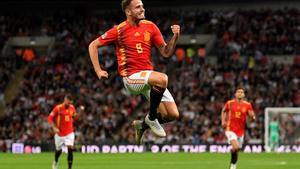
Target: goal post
[287, 117]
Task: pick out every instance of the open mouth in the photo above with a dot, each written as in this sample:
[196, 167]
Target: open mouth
[142, 15]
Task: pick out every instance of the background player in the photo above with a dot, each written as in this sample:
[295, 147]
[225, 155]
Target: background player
[234, 120]
[274, 134]
[133, 39]
[61, 121]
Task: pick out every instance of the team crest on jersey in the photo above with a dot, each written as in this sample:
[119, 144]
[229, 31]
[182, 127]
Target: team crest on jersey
[243, 109]
[147, 36]
[104, 36]
[137, 34]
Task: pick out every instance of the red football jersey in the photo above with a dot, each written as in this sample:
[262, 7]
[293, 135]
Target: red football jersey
[63, 118]
[133, 45]
[236, 118]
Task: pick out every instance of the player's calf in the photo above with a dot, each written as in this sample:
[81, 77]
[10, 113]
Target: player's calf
[156, 95]
[172, 116]
[234, 158]
[234, 154]
[56, 157]
[70, 157]
[168, 111]
[162, 119]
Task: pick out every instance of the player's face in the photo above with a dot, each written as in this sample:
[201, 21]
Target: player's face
[136, 10]
[67, 102]
[240, 94]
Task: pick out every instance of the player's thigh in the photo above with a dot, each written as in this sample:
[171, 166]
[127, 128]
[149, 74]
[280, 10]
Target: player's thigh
[232, 139]
[59, 141]
[240, 141]
[168, 110]
[137, 83]
[69, 140]
[275, 138]
[158, 79]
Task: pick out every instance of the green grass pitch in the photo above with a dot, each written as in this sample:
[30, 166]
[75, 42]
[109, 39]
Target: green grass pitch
[152, 161]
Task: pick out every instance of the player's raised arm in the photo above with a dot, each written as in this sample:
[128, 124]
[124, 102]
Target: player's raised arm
[93, 52]
[168, 49]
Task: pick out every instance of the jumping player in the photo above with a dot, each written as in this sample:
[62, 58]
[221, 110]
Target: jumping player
[133, 40]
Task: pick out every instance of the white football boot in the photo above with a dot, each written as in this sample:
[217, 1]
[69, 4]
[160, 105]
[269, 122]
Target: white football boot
[155, 126]
[54, 165]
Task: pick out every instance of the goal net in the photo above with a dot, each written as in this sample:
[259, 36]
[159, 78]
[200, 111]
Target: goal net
[281, 127]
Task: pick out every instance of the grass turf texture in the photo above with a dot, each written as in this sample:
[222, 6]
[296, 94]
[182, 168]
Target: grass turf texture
[152, 161]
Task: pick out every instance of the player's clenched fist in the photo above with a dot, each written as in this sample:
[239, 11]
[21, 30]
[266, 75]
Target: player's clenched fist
[175, 29]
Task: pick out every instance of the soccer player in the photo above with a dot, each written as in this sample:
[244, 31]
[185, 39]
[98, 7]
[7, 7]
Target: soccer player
[133, 40]
[274, 134]
[234, 120]
[61, 121]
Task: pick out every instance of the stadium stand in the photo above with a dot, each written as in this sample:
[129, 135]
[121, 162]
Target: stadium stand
[243, 53]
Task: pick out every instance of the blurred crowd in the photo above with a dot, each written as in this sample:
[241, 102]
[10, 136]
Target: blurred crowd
[257, 32]
[4, 77]
[288, 125]
[200, 88]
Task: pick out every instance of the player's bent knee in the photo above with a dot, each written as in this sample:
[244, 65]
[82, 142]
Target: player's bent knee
[158, 79]
[58, 150]
[163, 81]
[235, 149]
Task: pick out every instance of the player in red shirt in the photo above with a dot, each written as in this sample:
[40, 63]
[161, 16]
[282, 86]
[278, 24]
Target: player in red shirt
[233, 117]
[61, 121]
[133, 39]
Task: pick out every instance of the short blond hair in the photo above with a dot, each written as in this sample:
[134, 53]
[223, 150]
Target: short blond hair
[125, 4]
